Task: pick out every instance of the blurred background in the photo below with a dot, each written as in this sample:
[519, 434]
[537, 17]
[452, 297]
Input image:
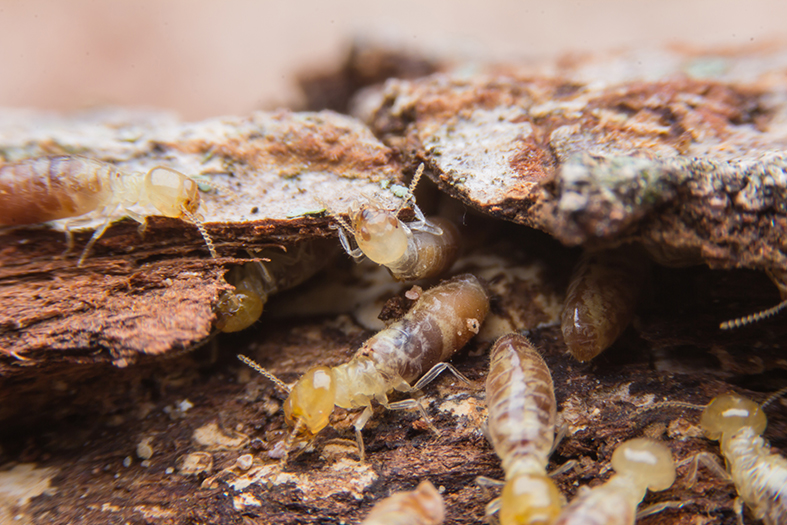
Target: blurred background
[207, 58]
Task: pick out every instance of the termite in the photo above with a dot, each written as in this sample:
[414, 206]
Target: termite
[411, 251]
[604, 291]
[641, 464]
[522, 411]
[440, 322]
[272, 271]
[779, 278]
[422, 506]
[51, 188]
[760, 477]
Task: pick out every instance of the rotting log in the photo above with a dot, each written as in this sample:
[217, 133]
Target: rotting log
[165, 438]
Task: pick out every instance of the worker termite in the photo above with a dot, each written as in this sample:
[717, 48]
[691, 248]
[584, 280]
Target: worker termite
[522, 411]
[51, 188]
[641, 464]
[440, 322]
[604, 291]
[273, 271]
[422, 506]
[779, 278]
[411, 251]
[760, 477]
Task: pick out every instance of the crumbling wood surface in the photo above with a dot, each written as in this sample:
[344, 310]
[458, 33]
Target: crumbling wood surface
[269, 173]
[164, 439]
[691, 167]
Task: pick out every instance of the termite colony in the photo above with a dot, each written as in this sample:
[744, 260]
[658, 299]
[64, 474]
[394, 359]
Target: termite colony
[414, 349]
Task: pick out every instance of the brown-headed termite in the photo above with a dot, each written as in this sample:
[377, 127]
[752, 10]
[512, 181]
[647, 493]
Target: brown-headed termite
[640, 464]
[422, 506]
[441, 321]
[50, 188]
[272, 271]
[522, 412]
[604, 291]
[410, 250]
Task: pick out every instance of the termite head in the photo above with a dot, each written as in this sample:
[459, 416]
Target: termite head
[728, 413]
[171, 192]
[379, 234]
[649, 462]
[529, 499]
[311, 401]
[240, 308]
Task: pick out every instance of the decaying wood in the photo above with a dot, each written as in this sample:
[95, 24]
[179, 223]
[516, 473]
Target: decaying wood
[270, 173]
[692, 167]
[104, 418]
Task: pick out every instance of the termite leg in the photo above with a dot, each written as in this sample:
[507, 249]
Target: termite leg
[435, 371]
[96, 236]
[356, 252]
[359, 424]
[407, 404]
[421, 224]
[659, 507]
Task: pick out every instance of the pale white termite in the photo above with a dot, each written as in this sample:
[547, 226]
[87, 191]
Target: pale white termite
[411, 251]
[760, 477]
[522, 411]
[51, 188]
[641, 464]
[422, 506]
[440, 322]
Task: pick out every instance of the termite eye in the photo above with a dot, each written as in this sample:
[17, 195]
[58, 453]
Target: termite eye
[727, 413]
[311, 400]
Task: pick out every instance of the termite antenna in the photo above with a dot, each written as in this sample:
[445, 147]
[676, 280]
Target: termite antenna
[773, 397]
[665, 404]
[299, 423]
[201, 227]
[411, 188]
[256, 366]
[344, 224]
[753, 318]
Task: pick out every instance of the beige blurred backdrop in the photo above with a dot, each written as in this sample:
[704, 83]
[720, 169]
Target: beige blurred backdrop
[205, 58]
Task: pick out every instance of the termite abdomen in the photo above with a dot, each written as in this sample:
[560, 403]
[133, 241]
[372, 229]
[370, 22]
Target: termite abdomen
[602, 296]
[521, 426]
[521, 403]
[431, 255]
[51, 188]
